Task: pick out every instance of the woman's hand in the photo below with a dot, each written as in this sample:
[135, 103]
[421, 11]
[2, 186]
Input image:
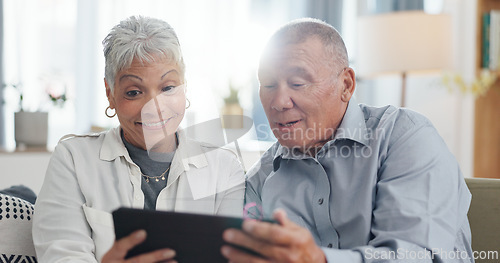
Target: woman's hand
[120, 248]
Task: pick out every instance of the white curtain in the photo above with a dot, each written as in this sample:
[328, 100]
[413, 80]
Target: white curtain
[2, 117]
[56, 44]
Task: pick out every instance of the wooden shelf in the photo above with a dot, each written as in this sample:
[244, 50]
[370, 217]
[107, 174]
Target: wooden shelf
[495, 72]
[487, 111]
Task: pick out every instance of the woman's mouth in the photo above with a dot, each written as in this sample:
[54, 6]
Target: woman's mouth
[150, 125]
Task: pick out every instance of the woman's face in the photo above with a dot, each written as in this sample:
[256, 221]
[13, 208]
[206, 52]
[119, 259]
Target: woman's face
[150, 101]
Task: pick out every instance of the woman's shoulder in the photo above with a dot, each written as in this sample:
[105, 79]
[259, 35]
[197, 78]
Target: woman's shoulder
[77, 139]
[85, 141]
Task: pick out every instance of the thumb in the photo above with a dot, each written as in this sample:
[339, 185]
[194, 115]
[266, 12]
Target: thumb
[280, 216]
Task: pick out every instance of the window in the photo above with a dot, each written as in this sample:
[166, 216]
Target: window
[55, 46]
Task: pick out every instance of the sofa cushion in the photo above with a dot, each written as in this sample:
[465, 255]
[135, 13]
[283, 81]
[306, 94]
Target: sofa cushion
[16, 217]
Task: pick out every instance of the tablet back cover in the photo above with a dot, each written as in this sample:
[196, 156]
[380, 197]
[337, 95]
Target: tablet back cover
[194, 237]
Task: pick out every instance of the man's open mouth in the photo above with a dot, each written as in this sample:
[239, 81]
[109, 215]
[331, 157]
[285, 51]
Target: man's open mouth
[288, 124]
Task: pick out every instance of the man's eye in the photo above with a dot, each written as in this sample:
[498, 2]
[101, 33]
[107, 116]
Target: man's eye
[132, 93]
[297, 85]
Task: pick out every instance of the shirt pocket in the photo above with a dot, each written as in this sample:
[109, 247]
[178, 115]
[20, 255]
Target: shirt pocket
[103, 234]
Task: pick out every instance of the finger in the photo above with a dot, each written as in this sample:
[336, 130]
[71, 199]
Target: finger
[280, 216]
[121, 247]
[271, 233]
[160, 255]
[236, 255]
[242, 239]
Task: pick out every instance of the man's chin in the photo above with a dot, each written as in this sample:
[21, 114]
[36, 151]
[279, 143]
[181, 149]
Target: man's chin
[292, 145]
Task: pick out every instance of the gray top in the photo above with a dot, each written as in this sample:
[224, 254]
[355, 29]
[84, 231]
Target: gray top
[151, 164]
[386, 188]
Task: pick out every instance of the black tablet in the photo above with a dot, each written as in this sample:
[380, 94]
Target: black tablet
[194, 237]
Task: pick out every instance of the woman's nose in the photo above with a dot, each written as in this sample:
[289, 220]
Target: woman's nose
[153, 108]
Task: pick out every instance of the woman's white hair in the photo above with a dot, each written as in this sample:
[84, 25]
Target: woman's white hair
[144, 38]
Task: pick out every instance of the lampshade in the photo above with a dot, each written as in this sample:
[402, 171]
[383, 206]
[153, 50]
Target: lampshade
[401, 42]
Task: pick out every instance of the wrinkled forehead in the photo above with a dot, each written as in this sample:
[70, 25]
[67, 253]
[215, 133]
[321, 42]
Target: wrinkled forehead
[292, 58]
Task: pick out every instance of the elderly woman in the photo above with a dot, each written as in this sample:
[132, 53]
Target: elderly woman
[147, 162]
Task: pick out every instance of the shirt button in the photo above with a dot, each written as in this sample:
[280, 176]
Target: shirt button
[320, 201]
[330, 245]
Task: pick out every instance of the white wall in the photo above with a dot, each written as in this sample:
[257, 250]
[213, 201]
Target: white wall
[25, 168]
[452, 113]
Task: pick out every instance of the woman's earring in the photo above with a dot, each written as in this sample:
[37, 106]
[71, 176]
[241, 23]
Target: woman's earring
[189, 103]
[109, 115]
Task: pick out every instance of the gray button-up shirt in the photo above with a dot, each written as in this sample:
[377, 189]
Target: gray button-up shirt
[386, 188]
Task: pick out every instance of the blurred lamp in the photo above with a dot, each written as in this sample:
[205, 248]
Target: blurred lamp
[403, 42]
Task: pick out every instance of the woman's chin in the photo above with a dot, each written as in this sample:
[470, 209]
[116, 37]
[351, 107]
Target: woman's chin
[159, 140]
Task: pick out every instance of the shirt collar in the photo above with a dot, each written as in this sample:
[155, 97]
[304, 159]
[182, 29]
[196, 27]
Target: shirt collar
[352, 127]
[188, 152]
[112, 146]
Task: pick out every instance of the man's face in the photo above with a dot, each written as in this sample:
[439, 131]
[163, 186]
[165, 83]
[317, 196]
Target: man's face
[303, 94]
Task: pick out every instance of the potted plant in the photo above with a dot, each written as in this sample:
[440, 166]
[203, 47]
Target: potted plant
[232, 112]
[30, 127]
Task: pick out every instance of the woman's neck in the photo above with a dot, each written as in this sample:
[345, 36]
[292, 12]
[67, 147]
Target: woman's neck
[168, 144]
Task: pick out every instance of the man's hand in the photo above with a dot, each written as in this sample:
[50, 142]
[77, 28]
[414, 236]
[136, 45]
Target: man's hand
[283, 242]
[120, 248]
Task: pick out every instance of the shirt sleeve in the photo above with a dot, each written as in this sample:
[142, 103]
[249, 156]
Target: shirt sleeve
[60, 230]
[421, 204]
[233, 195]
[254, 181]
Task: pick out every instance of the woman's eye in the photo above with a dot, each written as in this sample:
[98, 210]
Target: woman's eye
[168, 88]
[132, 93]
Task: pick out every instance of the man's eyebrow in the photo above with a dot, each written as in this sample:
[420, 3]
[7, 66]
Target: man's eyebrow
[129, 76]
[299, 71]
[172, 70]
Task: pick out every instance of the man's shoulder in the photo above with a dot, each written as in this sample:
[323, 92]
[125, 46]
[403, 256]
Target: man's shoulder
[393, 119]
[264, 166]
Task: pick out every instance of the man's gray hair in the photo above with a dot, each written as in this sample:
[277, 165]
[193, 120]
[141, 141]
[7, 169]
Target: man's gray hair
[143, 38]
[299, 30]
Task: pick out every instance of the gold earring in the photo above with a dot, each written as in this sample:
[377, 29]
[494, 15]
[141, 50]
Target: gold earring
[107, 114]
[189, 103]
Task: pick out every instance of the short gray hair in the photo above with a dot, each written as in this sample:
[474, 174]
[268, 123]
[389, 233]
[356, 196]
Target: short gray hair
[143, 38]
[300, 30]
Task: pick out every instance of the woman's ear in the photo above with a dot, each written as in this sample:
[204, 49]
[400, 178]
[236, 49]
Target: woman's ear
[349, 84]
[109, 94]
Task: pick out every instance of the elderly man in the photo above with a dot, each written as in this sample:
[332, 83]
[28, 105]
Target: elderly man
[346, 182]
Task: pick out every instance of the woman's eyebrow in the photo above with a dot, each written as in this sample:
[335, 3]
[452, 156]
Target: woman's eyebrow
[129, 76]
[172, 70]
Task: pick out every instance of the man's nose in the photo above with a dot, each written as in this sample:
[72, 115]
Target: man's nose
[282, 99]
